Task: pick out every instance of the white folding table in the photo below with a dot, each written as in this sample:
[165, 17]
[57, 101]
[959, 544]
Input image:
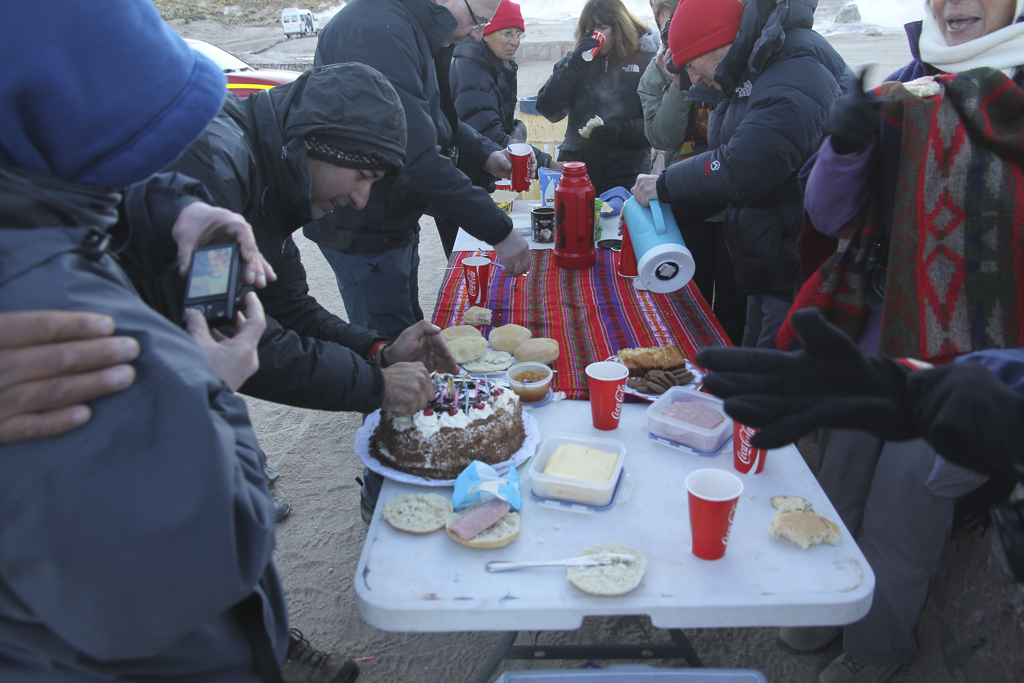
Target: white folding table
[406, 582]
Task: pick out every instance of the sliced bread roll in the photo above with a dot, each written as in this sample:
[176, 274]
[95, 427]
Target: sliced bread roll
[608, 579]
[539, 350]
[507, 337]
[475, 315]
[452, 333]
[418, 513]
[786, 504]
[804, 529]
[497, 535]
[466, 349]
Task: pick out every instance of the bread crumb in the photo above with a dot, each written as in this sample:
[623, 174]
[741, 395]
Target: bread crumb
[558, 526]
[751, 495]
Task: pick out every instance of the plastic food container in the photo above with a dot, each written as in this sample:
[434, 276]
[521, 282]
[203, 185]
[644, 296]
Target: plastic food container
[595, 493]
[530, 390]
[684, 433]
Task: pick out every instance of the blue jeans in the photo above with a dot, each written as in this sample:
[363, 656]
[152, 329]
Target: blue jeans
[380, 289]
[765, 315]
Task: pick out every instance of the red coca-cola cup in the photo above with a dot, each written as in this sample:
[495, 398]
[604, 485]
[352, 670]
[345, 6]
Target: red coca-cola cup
[589, 55]
[606, 382]
[745, 456]
[519, 155]
[477, 273]
[713, 496]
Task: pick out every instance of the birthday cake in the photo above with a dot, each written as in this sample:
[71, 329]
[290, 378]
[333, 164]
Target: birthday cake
[469, 419]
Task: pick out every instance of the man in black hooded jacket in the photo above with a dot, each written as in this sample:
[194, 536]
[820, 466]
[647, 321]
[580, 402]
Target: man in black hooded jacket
[281, 158]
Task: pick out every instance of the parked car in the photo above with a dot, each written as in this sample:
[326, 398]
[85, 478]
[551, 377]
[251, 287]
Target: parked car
[243, 80]
[298, 22]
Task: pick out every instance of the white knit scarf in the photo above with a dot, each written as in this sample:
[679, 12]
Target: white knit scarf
[1002, 49]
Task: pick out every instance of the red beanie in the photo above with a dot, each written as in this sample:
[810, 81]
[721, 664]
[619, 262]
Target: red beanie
[507, 16]
[702, 26]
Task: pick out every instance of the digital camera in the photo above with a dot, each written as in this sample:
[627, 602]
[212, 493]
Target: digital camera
[215, 286]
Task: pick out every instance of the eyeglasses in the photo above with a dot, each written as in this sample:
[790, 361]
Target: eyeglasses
[474, 18]
[510, 34]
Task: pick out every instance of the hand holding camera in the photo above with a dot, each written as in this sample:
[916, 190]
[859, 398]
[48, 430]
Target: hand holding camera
[200, 224]
[234, 358]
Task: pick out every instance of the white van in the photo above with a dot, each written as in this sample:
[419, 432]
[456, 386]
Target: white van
[298, 22]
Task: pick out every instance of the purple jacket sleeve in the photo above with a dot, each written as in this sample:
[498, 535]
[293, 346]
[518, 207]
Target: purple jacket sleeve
[836, 188]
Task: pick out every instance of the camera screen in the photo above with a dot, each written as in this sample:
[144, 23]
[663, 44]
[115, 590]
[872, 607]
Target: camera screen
[211, 270]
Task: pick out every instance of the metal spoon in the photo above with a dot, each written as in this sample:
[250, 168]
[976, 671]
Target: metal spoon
[582, 561]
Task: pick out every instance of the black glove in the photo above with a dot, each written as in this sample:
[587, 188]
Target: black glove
[855, 120]
[609, 132]
[970, 417]
[830, 383]
[585, 45]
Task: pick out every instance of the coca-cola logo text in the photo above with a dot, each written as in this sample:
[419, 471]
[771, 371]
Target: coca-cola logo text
[746, 451]
[617, 408]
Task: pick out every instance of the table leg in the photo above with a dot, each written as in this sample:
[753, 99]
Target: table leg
[680, 639]
[483, 674]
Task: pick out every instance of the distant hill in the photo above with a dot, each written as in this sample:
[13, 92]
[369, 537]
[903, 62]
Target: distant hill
[233, 11]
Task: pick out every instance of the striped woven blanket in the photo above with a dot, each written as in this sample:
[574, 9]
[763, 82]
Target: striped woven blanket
[592, 313]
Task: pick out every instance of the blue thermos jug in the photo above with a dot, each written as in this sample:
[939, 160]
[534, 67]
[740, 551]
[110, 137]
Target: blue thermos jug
[663, 263]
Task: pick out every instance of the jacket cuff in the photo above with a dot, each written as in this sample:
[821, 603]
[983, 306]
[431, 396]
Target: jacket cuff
[662, 187]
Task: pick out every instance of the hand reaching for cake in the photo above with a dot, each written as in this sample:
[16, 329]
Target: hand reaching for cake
[422, 343]
[407, 388]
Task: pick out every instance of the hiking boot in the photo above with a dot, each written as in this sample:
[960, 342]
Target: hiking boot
[281, 505]
[306, 664]
[810, 639]
[846, 669]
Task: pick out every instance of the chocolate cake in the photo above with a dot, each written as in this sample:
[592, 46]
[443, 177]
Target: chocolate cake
[469, 419]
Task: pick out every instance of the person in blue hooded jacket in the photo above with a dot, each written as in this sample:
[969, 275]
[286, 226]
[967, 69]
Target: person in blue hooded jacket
[138, 546]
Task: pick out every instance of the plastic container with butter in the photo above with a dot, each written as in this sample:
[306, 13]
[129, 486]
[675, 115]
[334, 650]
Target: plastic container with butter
[686, 434]
[571, 489]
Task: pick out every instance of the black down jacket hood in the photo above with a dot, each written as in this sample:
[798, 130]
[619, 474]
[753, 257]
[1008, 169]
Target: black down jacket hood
[350, 103]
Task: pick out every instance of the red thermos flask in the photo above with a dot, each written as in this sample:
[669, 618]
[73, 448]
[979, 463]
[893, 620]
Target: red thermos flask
[574, 218]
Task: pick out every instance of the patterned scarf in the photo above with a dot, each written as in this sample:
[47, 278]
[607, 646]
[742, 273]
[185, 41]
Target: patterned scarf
[953, 166]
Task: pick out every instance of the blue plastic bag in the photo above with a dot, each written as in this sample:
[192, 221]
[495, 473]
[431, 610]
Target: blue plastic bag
[479, 483]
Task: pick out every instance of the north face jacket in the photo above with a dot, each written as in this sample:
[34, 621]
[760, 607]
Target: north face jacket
[126, 543]
[403, 40]
[252, 159]
[779, 82]
[606, 87]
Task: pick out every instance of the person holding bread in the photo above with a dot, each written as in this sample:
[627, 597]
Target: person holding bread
[599, 95]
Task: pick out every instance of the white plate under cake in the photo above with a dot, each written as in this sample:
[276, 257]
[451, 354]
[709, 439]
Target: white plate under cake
[469, 419]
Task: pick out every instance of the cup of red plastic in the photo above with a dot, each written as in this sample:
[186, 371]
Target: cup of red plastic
[744, 455]
[590, 54]
[519, 155]
[713, 496]
[477, 273]
[606, 382]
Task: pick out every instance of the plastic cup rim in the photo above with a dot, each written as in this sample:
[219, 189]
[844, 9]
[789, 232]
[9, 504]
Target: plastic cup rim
[623, 373]
[475, 261]
[715, 499]
[519, 149]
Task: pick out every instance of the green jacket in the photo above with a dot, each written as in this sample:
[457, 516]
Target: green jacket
[667, 112]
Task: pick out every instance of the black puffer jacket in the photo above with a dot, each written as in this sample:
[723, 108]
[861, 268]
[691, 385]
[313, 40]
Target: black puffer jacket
[780, 80]
[402, 39]
[252, 159]
[485, 93]
[605, 87]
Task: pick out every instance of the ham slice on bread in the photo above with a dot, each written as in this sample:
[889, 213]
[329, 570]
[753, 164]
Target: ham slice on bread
[486, 525]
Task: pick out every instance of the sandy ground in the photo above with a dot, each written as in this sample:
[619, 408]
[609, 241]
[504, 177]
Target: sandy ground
[319, 544]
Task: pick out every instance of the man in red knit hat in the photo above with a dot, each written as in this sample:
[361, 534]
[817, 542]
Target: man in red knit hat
[773, 81]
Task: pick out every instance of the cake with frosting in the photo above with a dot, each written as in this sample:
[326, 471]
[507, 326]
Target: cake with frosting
[469, 419]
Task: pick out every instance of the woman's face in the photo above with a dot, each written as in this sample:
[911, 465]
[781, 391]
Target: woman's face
[662, 17]
[962, 21]
[504, 43]
[609, 38]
